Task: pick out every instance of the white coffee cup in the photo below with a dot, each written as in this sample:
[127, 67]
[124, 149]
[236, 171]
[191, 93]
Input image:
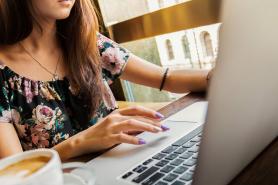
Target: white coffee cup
[49, 174]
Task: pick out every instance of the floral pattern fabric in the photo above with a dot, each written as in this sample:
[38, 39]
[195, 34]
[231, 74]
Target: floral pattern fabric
[47, 113]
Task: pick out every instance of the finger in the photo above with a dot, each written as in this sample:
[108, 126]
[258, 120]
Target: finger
[124, 138]
[116, 118]
[112, 118]
[153, 122]
[150, 121]
[140, 118]
[141, 111]
[134, 125]
[147, 120]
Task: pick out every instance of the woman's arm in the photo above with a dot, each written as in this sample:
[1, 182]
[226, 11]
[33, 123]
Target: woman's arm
[9, 141]
[145, 73]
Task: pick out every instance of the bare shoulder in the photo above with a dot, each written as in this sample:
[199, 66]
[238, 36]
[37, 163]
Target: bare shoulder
[8, 55]
[2, 57]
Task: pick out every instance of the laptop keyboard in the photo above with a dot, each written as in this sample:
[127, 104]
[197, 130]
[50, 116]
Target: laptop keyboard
[174, 165]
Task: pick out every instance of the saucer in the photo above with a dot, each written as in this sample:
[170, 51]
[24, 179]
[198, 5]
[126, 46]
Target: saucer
[72, 179]
[77, 174]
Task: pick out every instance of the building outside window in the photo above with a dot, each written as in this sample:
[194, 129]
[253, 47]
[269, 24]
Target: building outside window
[170, 50]
[161, 3]
[207, 44]
[184, 49]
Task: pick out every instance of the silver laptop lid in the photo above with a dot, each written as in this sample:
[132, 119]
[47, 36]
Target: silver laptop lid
[243, 107]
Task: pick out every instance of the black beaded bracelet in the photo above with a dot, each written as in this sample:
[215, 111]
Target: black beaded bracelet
[163, 79]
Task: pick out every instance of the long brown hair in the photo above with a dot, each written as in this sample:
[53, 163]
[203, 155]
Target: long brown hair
[77, 36]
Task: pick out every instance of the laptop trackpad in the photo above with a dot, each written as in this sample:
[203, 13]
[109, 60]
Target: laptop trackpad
[194, 113]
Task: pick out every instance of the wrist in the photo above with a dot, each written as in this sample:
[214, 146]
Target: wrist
[162, 84]
[209, 75]
[72, 147]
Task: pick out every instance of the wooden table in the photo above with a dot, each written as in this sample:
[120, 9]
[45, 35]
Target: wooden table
[262, 171]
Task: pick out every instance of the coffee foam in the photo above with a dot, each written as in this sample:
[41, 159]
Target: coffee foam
[17, 171]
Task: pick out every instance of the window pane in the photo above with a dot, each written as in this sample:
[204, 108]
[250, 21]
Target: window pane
[115, 11]
[146, 49]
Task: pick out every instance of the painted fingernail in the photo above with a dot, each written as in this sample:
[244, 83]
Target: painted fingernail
[159, 115]
[165, 128]
[158, 129]
[142, 141]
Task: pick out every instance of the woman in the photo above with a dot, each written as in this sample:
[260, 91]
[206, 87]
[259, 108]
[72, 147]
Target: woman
[55, 70]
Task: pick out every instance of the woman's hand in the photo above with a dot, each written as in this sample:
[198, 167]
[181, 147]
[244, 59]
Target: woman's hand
[115, 129]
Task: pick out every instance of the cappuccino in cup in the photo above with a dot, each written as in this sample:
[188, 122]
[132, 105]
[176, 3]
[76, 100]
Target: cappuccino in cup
[24, 168]
[42, 166]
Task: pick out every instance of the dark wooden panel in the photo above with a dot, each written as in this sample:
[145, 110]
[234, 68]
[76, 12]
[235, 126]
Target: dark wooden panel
[190, 14]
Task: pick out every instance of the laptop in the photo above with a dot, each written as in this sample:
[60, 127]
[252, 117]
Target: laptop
[209, 144]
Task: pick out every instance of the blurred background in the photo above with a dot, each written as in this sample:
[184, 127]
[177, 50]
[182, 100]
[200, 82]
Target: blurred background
[168, 33]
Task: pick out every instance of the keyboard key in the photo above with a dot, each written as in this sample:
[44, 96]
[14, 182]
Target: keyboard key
[190, 162]
[196, 139]
[167, 169]
[186, 155]
[147, 162]
[127, 175]
[159, 156]
[135, 169]
[162, 163]
[188, 145]
[187, 177]
[177, 162]
[192, 169]
[180, 170]
[178, 183]
[161, 183]
[194, 149]
[195, 156]
[169, 149]
[180, 150]
[181, 141]
[153, 179]
[171, 156]
[145, 175]
[143, 168]
[170, 177]
[140, 169]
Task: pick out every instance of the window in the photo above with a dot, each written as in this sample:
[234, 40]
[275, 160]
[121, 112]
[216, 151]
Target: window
[185, 46]
[167, 3]
[115, 11]
[207, 44]
[173, 48]
[161, 3]
[170, 49]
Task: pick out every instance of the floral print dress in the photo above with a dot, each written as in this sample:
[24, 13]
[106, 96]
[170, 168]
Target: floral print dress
[45, 113]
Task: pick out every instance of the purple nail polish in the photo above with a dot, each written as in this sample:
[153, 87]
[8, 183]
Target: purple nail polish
[159, 115]
[165, 128]
[142, 141]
